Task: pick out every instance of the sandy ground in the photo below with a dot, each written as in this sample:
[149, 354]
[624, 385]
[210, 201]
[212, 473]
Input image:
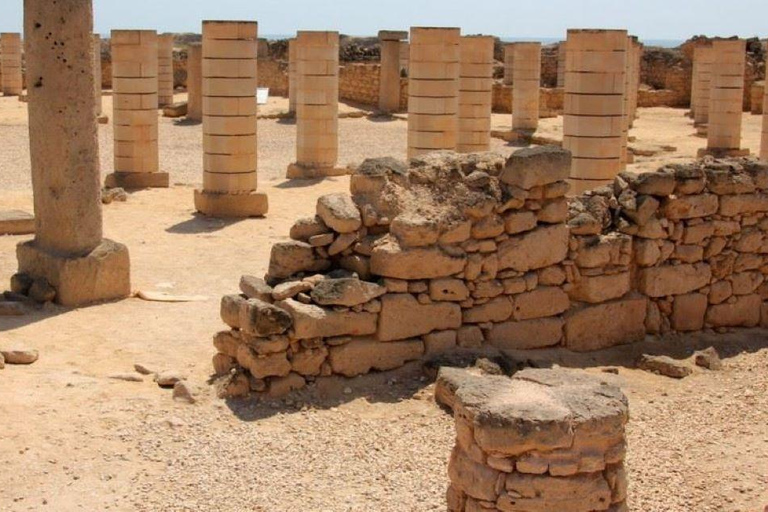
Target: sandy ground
[72, 438]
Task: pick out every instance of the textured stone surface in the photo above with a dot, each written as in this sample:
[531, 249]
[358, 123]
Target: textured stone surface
[403, 317]
[605, 325]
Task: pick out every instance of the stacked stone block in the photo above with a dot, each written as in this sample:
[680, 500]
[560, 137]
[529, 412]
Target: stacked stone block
[543, 440]
[726, 99]
[561, 54]
[317, 106]
[10, 61]
[134, 110]
[527, 83]
[164, 70]
[635, 56]
[292, 65]
[509, 64]
[433, 89]
[229, 121]
[389, 81]
[195, 82]
[97, 74]
[702, 81]
[594, 120]
[475, 94]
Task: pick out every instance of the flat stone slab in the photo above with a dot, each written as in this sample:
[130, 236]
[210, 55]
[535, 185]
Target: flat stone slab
[16, 222]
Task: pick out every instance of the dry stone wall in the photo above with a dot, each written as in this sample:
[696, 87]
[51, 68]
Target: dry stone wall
[473, 250]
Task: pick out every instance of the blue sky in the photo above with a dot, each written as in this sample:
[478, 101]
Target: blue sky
[650, 19]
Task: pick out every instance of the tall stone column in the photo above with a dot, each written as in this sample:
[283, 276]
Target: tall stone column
[509, 64]
[292, 64]
[475, 94]
[97, 74]
[317, 106]
[636, 56]
[702, 84]
[433, 90]
[561, 65]
[764, 138]
[625, 157]
[526, 87]
[164, 70]
[10, 49]
[134, 111]
[195, 82]
[229, 121]
[593, 120]
[68, 249]
[726, 99]
[389, 74]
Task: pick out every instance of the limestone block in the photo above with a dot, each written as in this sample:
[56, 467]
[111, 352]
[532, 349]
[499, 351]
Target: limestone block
[495, 310]
[744, 312]
[307, 227]
[339, 212]
[535, 493]
[536, 249]
[230, 310]
[345, 292]
[519, 222]
[475, 479]
[309, 361]
[413, 230]
[541, 302]
[402, 317]
[528, 334]
[360, 356]
[688, 312]
[289, 258]
[600, 288]
[311, 321]
[605, 325]
[448, 289]
[261, 366]
[440, 342]
[673, 280]
[538, 166]
[263, 319]
[690, 207]
[730, 206]
[389, 259]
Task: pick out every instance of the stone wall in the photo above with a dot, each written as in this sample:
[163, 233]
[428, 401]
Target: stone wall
[550, 100]
[470, 250]
[359, 83]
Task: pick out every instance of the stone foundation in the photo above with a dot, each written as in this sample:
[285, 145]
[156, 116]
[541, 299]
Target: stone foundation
[214, 204]
[543, 440]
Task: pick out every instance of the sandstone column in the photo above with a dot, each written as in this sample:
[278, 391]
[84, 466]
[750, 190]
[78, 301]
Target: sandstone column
[195, 82]
[134, 85]
[636, 56]
[509, 64]
[10, 48]
[229, 121]
[625, 157]
[526, 87]
[97, 74]
[701, 84]
[433, 90]
[764, 138]
[389, 74]
[726, 99]
[292, 76]
[68, 249]
[164, 70]
[317, 106]
[561, 65]
[475, 94]
[594, 105]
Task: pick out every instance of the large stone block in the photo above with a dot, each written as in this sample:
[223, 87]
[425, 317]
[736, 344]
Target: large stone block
[690, 207]
[495, 310]
[688, 312]
[402, 316]
[528, 334]
[289, 258]
[543, 493]
[744, 312]
[536, 249]
[605, 325]
[389, 259]
[600, 288]
[541, 302]
[537, 166]
[360, 356]
[673, 280]
[311, 321]
[339, 212]
[731, 206]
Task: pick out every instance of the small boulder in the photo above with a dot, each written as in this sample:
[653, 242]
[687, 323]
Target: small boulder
[255, 288]
[664, 365]
[168, 379]
[345, 292]
[339, 212]
[41, 291]
[290, 258]
[19, 355]
[709, 359]
[142, 369]
[263, 319]
[290, 289]
[21, 283]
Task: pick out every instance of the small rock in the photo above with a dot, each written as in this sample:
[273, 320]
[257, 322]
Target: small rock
[168, 379]
[21, 283]
[290, 289]
[664, 365]
[127, 377]
[142, 369]
[346, 292]
[8, 308]
[255, 288]
[41, 291]
[19, 355]
[183, 392]
[611, 369]
[108, 195]
[708, 358]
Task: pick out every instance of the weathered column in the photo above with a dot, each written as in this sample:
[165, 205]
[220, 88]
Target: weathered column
[509, 64]
[195, 82]
[526, 86]
[317, 106]
[702, 84]
[433, 90]
[10, 49]
[97, 74]
[625, 157]
[475, 94]
[164, 70]
[561, 65]
[134, 109]
[292, 76]
[636, 55]
[229, 121]
[764, 138]
[389, 72]
[68, 249]
[593, 117]
[726, 99]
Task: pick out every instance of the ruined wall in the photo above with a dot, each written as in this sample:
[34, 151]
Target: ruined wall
[274, 74]
[467, 250]
[359, 83]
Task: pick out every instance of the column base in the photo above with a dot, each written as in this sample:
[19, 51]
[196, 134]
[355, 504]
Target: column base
[136, 180]
[578, 186]
[722, 152]
[216, 204]
[101, 275]
[302, 172]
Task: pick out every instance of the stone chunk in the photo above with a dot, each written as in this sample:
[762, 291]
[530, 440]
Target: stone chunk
[168, 379]
[307, 227]
[19, 355]
[290, 289]
[730, 206]
[263, 319]
[230, 310]
[537, 166]
[311, 321]
[690, 207]
[659, 183]
[673, 280]
[360, 356]
[543, 493]
[744, 312]
[664, 365]
[389, 259]
[495, 310]
[402, 316]
[536, 249]
[475, 479]
[413, 230]
[605, 325]
[528, 334]
[339, 212]
[263, 365]
[345, 292]
[688, 312]
[541, 302]
[256, 288]
[519, 222]
[600, 288]
[289, 258]
[448, 289]
[709, 359]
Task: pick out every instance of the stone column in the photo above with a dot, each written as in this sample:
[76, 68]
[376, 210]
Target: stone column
[292, 76]
[636, 55]
[702, 84]
[433, 90]
[229, 121]
[475, 94]
[625, 158]
[195, 82]
[405, 56]
[561, 65]
[164, 70]
[509, 64]
[317, 106]
[97, 74]
[10, 48]
[726, 99]
[389, 74]
[764, 138]
[593, 117]
[68, 249]
[526, 87]
[134, 110]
